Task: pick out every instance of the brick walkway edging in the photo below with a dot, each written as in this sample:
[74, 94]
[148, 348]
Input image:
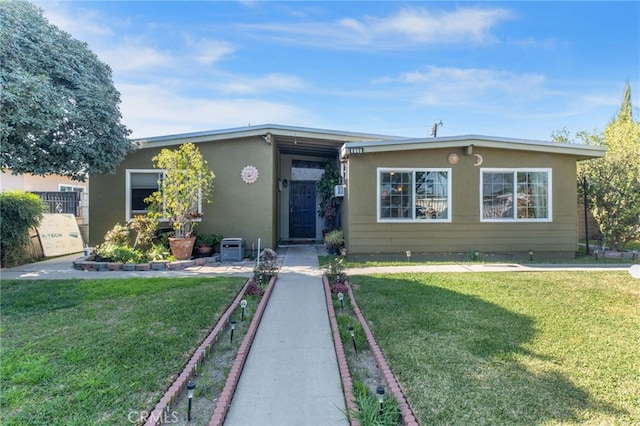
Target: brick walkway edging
[222, 407]
[180, 384]
[408, 419]
[343, 367]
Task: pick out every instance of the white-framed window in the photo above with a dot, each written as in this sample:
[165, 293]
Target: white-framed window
[522, 195]
[65, 187]
[414, 195]
[140, 184]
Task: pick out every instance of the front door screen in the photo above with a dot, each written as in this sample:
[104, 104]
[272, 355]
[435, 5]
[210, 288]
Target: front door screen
[302, 209]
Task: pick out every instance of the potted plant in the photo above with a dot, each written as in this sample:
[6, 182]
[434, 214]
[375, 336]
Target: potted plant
[187, 183]
[334, 241]
[205, 243]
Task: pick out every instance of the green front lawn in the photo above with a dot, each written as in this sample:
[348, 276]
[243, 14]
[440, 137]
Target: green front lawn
[510, 348]
[84, 352]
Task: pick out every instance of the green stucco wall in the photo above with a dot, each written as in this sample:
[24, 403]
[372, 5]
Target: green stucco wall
[238, 209]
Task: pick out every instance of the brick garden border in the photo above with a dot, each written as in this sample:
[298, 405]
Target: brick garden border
[408, 418]
[179, 385]
[222, 407]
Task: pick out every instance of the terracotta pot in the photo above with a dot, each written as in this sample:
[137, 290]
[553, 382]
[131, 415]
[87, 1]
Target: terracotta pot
[181, 248]
[205, 250]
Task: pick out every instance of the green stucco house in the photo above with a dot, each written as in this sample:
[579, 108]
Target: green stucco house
[424, 195]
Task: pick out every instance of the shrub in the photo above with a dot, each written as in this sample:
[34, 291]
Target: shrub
[19, 212]
[339, 288]
[334, 270]
[118, 235]
[268, 254]
[253, 289]
[145, 227]
[120, 253]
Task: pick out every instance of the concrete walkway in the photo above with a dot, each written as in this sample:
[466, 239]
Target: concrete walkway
[291, 375]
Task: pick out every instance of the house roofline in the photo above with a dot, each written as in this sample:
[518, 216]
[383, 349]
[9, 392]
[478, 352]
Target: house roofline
[581, 151]
[259, 130]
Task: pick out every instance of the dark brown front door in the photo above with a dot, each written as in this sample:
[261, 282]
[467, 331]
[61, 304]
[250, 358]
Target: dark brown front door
[302, 209]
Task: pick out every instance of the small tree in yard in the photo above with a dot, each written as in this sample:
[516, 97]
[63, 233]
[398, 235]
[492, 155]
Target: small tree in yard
[186, 184]
[613, 190]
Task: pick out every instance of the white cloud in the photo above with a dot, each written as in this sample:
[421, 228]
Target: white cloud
[82, 23]
[422, 26]
[152, 110]
[469, 86]
[207, 51]
[270, 82]
[134, 56]
[408, 28]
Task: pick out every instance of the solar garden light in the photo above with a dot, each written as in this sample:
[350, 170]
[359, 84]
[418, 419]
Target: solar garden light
[191, 386]
[380, 393]
[531, 255]
[341, 299]
[476, 254]
[233, 326]
[243, 305]
[408, 255]
[353, 338]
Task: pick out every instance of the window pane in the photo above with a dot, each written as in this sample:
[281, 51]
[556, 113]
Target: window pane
[432, 195]
[142, 185]
[533, 195]
[497, 195]
[395, 195]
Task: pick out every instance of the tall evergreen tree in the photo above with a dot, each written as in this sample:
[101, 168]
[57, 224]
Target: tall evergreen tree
[59, 110]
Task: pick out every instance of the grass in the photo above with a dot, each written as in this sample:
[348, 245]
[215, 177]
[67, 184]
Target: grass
[86, 352]
[510, 348]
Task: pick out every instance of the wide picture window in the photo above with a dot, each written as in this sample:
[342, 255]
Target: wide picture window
[516, 195]
[420, 195]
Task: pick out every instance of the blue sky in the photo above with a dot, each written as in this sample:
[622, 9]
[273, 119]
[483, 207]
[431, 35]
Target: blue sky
[511, 69]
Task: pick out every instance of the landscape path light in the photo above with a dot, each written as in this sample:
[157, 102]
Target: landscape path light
[341, 299]
[530, 255]
[353, 338]
[191, 386]
[243, 305]
[408, 255]
[233, 326]
[380, 393]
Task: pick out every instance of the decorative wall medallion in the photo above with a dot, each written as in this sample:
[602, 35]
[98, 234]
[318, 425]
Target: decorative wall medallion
[479, 160]
[453, 158]
[249, 174]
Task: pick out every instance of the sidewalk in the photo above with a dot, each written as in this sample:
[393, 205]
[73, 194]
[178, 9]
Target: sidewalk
[291, 375]
[61, 268]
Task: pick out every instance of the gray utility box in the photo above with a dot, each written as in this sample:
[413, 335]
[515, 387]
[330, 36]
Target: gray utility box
[232, 250]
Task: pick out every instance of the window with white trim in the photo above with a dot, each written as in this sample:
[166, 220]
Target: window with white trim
[414, 195]
[141, 184]
[516, 195]
[64, 187]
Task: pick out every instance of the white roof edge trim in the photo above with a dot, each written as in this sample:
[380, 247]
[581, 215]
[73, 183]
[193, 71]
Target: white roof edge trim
[580, 150]
[258, 130]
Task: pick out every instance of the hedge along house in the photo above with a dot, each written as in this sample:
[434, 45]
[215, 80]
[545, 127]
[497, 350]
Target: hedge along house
[463, 194]
[428, 195]
[264, 185]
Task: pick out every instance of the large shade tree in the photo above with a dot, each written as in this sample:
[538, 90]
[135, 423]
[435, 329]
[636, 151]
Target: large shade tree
[613, 190]
[59, 108]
